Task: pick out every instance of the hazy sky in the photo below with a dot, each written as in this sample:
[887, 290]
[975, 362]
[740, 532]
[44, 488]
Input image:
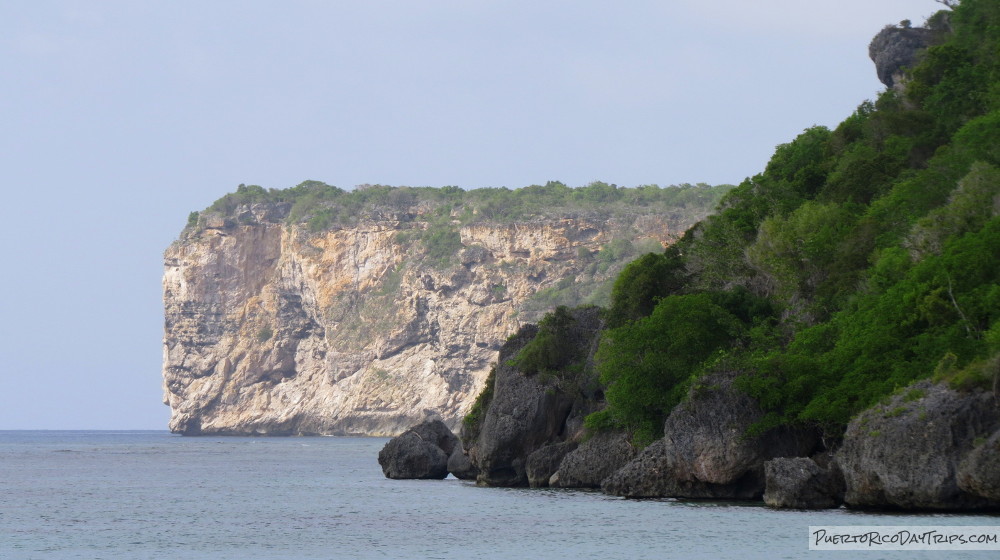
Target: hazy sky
[120, 117]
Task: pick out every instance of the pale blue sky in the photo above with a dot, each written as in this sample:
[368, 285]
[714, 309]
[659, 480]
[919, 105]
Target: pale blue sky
[120, 117]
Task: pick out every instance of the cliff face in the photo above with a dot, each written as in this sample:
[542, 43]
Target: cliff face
[273, 329]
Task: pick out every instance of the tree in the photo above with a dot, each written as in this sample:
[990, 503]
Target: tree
[646, 364]
[643, 282]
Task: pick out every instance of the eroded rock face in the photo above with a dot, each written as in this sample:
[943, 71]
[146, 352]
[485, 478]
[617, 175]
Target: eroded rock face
[271, 329]
[801, 483]
[705, 452]
[979, 471]
[420, 452]
[527, 411]
[895, 49]
[927, 449]
[544, 462]
[460, 466]
[594, 461]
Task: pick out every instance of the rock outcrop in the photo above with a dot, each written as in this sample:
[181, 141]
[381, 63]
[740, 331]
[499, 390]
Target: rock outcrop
[420, 452]
[460, 466]
[896, 49]
[542, 464]
[529, 411]
[706, 452]
[929, 448]
[979, 471]
[596, 459]
[802, 483]
[272, 328]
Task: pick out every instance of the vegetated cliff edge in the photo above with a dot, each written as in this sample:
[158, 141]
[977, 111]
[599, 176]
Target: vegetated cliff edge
[830, 336]
[316, 311]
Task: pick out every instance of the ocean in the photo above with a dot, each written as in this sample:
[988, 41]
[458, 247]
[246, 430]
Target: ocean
[154, 495]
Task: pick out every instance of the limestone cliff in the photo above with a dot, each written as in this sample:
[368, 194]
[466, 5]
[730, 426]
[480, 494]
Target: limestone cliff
[273, 327]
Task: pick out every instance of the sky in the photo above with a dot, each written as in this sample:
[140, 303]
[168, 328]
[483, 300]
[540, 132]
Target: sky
[119, 118]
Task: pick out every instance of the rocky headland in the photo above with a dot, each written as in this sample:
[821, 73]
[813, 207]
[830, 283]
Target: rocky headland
[799, 421]
[828, 337]
[930, 447]
[367, 325]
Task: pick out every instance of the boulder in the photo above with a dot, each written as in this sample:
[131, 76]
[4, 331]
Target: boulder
[461, 466]
[801, 483]
[706, 451]
[594, 461]
[543, 463]
[907, 453]
[420, 452]
[655, 473]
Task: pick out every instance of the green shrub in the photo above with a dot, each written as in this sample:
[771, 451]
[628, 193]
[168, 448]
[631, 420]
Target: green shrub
[646, 364]
[553, 348]
[643, 282]
[442, 243]
[477, 413]
[264, 334]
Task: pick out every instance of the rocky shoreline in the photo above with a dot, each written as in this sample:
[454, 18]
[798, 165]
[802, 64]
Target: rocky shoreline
[928, 448]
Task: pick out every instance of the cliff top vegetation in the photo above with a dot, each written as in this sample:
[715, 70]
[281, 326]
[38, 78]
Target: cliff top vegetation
[322, 206]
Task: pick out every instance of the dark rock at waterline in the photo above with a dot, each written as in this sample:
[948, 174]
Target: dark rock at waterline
[420, 452]
[929, 448]
[706, 452]
[526, 413]
[529, 411]
[802, 483]
[654, 473]
[461, 466]
[544, 462]
[979, 472]
[594, 461]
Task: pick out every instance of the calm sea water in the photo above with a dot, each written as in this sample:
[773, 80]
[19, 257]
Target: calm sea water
[137, 495]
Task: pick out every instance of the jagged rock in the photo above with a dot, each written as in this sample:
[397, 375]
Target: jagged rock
[460, 465]
[543, 463]
[801, 483]
[420, 452]
[274, 329]
[906, 454]
[594, 461]
[979, 472]
[895, 49]
[705, 451]
[527, 412]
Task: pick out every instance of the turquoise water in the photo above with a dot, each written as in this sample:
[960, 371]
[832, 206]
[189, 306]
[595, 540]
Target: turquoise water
[138, 495]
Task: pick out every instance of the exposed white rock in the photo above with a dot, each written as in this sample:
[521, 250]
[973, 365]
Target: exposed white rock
[272, 329]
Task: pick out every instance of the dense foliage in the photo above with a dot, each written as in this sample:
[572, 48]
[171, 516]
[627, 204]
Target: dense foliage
[646, 364]
[322, 206]
[861, 259]
[553, 348]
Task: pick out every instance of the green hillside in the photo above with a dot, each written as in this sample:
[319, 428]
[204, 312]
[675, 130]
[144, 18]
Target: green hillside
[861, 259]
